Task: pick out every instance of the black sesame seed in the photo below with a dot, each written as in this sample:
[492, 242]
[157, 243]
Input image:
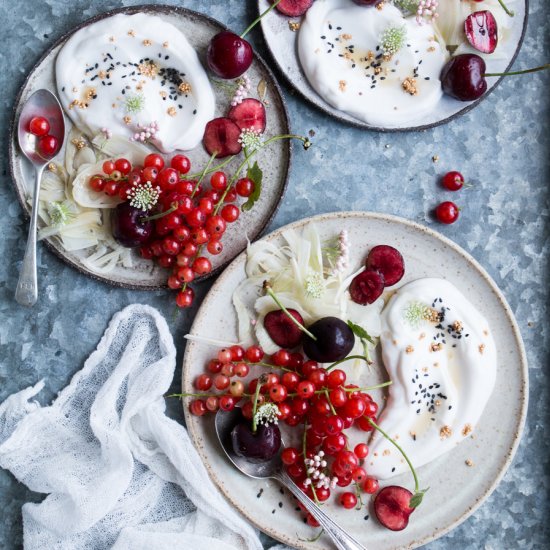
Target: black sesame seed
[366, 517]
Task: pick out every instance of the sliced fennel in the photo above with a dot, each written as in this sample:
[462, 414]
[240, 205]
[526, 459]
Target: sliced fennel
[302, 275]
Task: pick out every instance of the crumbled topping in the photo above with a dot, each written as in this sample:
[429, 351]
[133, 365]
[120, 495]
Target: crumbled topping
[481, 348]
[52, 167]
[380, 6]
[409, 349]
[294, 25]
[148, 69]
[436, 346]
[111, 38]
[184, 87]
[409, 85]
[431, 49]
[469, 462]
[422, 336]
[165, 44]
[131, 33]
[386, 452]
[102, 74]
[146, 42]
[435, 158]
[127, 119]
[457, 326]
[342, 85]
[171, 111]
[346, 36]
[467, 430]
[445, 432]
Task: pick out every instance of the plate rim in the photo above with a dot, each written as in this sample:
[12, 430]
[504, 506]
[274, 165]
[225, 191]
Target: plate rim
[12, 144]
[524, 370]
[356, 123]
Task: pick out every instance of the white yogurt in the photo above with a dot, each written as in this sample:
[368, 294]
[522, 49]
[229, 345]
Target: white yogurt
[338, 52]
[130, 70]
[443, 375]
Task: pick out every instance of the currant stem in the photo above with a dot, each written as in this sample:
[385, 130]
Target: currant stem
[173, 208]
[257, 20]
[393, 442]
[526, 71]
[213, 169]
[506, 9]
[199, 181]
[332, 409]
[286, 312]
[362, 357]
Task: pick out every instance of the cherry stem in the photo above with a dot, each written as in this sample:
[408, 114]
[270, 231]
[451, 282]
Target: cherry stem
[173, 208]
[526, 71]
[203, 173]
[267, 288]
[255, 405]
[393, 442]
[258, 19]
[362, 357]
[505, 8]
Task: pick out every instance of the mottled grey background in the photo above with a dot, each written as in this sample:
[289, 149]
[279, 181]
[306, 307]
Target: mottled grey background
[502, 147]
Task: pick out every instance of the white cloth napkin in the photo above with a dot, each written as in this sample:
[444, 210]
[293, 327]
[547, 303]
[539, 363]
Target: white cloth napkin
[117, 471]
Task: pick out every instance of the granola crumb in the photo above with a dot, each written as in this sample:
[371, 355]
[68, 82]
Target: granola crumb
[146, 42]
[457, 326]
[127, 119]
[111, 38]
[469, 462]
[380, 6]
[184, 87]
[342, 85]
[172, 111]
[78, 143]
[52, 167]
[346, 36]
[467, 430]
[386, 452]
[294, 25]
[436, 347]
[445, 432]
[481, 348]
[431, 49]
[409, 85]
[148, 69]
[422, 336]
[165, 44]
[131, 33]
[409, 349]
[435, 158]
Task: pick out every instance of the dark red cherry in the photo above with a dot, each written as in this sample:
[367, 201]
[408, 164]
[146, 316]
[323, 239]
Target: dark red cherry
[129, 228]
[481, 31]
[256, 447]
[367, 2]
[392, 507]
[229, 55]
[334, 340]
[463, 77]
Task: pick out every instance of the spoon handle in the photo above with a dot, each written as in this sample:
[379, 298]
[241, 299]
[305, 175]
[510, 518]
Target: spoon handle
[341, 539]
[27, 286]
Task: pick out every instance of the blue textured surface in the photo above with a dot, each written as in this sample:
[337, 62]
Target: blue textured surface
[502, 147]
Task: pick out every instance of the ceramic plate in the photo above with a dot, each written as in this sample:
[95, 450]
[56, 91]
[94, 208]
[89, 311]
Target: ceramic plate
[456, 490]
[283, 44]
[275, 160]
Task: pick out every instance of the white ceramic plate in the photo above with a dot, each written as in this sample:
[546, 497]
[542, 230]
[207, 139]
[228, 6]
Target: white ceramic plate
[274, 160]
[283, 45]
[456, 490]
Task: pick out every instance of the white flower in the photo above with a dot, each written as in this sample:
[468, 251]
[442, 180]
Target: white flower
[250, 139]
[267, 414]
[144, 196]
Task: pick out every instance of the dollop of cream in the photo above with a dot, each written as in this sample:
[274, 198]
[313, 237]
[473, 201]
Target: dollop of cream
[341, 55]
[130, 74]
[440, 354]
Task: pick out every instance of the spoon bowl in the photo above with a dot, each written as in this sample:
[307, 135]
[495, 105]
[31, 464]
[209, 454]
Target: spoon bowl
[225, 421]
[42, 103]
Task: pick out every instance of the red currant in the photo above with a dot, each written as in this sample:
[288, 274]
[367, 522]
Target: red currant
[97, 183]
[197, 407]
[242, 370]
[181, 234]
[196, 218]
[200, 236]
[453, 181]
[336, 378]
[48, 145]
[281, 358]
[170, 246]
[202, 265]
[447, 212]
[214, 247]
[227, 402]
[218, 181]
[123, 166]
[305, 389]
[244, 187]
[39, 126]
[370, 486]
[203, 382]
[111, 188]
[358, 475]
[150, 173]
[215, 225]
[186, 274]
[168, 179]
[237, 353]
[361, 450]
[348, 500]
[254, 354]
[212, 403]
[185, 297]
[181, 163]
[108, 167]
[289, 456]
[278, 393]
[230, 213]
[153, 161]
[221, 382]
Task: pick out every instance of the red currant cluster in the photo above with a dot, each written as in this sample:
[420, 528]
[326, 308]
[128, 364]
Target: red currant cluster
[47, 145]
[307, 395]
[188, 215]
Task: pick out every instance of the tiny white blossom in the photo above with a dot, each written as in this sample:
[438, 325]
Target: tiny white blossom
[267, 414]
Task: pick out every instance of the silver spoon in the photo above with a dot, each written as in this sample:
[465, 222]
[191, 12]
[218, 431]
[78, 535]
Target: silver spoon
[42, 103]
[225, 422]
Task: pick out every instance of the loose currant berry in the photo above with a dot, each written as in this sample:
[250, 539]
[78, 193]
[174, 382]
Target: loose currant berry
[39, 126]
[185, 297]
[48, 145]
[370, 485]
[447, 212]
[289, 456]
[361, 450]
[453, 181]
[244, 187]
[202, 266]
[348, 500]
[230, 213]
[214, 247]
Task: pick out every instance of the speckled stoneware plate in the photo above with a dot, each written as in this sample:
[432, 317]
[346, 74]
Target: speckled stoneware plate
[283, 45]
[456, 490]
[274, 161]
